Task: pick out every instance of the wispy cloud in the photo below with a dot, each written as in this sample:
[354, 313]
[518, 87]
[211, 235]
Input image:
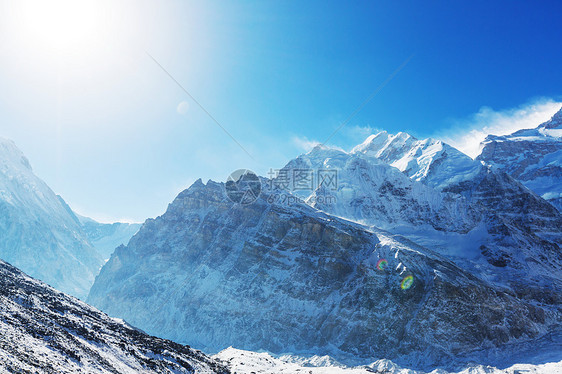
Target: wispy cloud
[466, 134]
[304, 144]
[357, 134]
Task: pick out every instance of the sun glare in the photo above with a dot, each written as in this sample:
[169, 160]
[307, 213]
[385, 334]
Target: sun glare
[60, 25]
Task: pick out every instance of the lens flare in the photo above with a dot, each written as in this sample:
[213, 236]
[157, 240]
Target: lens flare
[382, 264]
[407, 282]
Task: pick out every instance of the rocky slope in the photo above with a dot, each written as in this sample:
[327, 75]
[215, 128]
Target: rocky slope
[39, 234]
[532, 156]
[215, 273]
[45, 331]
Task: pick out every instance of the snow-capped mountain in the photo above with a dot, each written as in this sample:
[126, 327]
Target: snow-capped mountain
[431, 161]
[532, 156]
[105, 237]
[39, 233]
[43, 236]
[45, 331]
[367, 190]
[482, 219]
[213, 273]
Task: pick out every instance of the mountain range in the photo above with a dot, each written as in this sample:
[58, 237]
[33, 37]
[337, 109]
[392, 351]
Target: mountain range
[472, 259]
[401, 248]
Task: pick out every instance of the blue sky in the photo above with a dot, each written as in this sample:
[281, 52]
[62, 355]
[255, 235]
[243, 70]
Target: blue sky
[100, 122]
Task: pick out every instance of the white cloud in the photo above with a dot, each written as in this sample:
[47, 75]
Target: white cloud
[467, 134]
[304, 144]
[357, 134]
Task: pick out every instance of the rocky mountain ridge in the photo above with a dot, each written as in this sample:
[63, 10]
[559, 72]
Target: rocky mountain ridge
[46, 331]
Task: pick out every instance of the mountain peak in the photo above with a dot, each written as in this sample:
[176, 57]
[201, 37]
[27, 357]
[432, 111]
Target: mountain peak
[319, 148]
[404, 136]
[11, 153]
[198, 183]
[378, 142]
[555, 122]
[41, 235]
[372, 143]
[377, 135]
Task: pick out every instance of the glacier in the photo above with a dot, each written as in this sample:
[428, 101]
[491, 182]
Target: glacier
[105, 237]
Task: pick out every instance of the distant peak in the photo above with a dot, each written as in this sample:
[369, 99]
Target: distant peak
[197, 185]
[373, 140]
[322, 148]
[198, 188]
[378, 134]
[403, 135]
[558, 115]
[9, 151]
[429, 141]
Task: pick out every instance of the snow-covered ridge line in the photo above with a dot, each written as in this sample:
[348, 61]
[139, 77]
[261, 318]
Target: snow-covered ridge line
[248, 362]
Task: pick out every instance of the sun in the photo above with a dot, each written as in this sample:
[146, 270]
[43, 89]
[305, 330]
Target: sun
[62, 33]
[57, 27]
[60, 25]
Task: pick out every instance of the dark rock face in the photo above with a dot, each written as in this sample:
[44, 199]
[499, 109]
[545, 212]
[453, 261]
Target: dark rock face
[46, 331]
[265, 276]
